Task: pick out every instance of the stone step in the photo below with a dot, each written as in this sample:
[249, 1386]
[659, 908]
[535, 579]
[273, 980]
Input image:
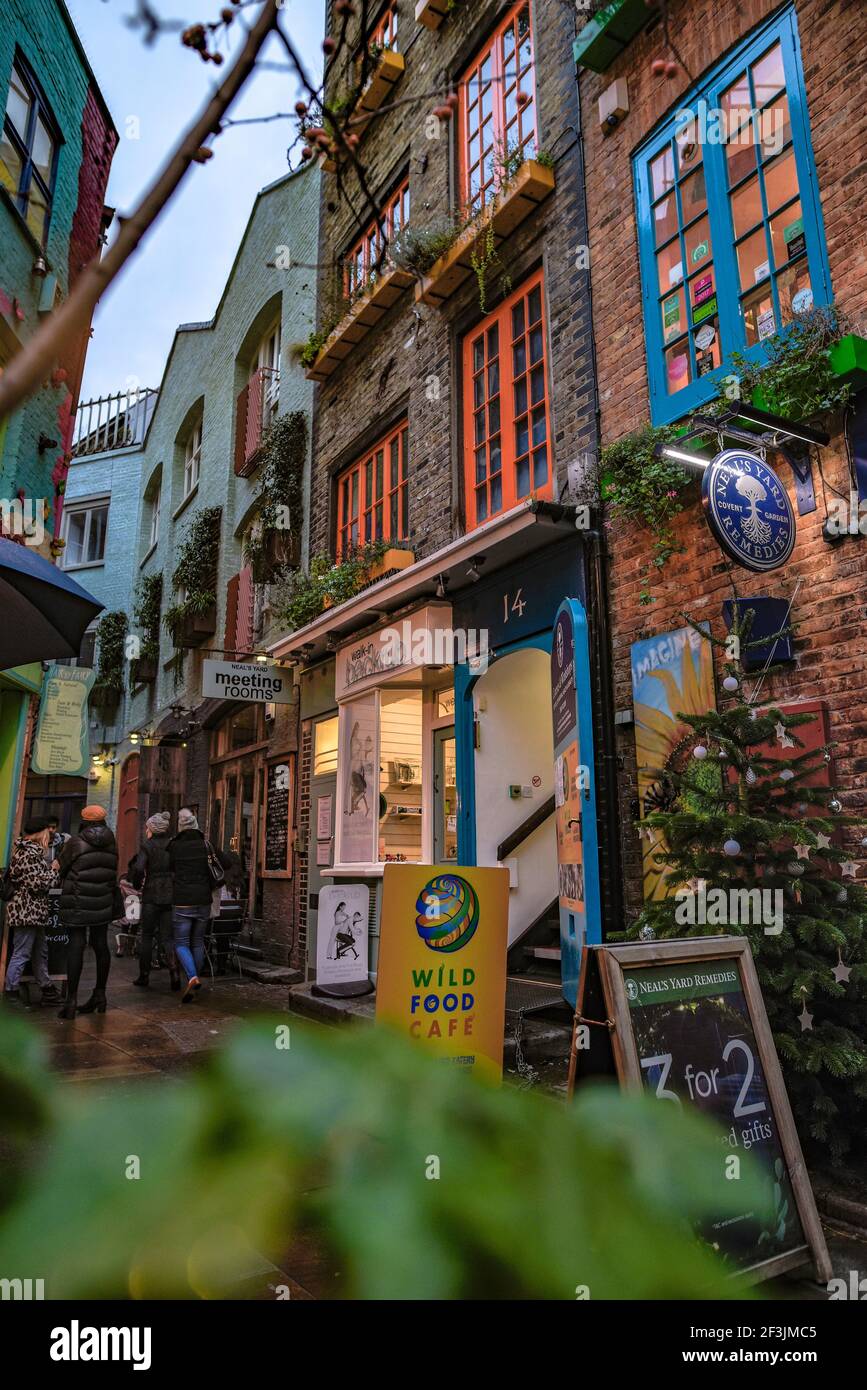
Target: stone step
[266, 974]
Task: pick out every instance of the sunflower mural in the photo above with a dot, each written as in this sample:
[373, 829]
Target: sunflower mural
[672, 675]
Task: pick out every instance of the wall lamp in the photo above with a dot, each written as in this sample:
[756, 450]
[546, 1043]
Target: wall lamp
[694, 463]
[778, 426]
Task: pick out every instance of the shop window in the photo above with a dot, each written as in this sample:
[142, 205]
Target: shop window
[28, 150]
[362, 262]
[325, 747]
[373, 495]
[498, 109]
[400, 776]
[507, 451]
[730, 231]
[84, 530]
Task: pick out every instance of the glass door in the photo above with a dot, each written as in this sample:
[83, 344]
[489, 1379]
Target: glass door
[445, 796]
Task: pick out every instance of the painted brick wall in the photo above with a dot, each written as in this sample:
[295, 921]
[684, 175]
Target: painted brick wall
[383, 377]
[828, 585]
[43, 32]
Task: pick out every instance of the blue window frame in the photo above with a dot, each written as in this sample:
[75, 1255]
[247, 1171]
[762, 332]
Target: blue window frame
[29, 145]
[730, 231]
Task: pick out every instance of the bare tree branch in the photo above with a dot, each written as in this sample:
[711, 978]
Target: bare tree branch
[34, 362]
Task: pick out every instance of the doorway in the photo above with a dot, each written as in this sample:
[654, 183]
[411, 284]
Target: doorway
[127, 811]
[445, 796]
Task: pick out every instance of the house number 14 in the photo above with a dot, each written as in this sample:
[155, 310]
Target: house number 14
[517, 606]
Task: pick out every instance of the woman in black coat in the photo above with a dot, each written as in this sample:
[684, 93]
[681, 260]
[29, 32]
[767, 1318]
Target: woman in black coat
[88, 887]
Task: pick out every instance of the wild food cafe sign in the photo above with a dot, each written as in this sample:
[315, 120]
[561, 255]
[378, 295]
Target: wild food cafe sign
[241, 680]
[748, 510]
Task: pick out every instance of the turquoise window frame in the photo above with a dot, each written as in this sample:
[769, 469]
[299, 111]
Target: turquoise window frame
[667, 408]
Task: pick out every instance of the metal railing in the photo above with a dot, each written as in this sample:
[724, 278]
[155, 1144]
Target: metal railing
[113, 422]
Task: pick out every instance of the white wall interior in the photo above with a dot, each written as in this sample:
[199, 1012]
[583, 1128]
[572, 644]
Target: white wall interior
[513, 701]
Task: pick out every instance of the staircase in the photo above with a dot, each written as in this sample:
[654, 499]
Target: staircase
[536, 953]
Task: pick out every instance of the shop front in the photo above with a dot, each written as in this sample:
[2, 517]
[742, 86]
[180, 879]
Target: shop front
[19, 688]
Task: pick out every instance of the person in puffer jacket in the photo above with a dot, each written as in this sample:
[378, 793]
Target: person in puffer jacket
[88, 903]
[29, 912]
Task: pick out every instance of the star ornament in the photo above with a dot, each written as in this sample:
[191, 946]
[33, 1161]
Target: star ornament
[823, 841]
[805, 1020]
[782, 737]
[848, 867]
[802, 851]
[841, 972]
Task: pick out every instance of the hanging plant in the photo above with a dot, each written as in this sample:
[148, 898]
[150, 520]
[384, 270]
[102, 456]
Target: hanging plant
[797, 380]
[111, 644]
[307, 594]
[195, 575]
[283, 453]
[147, 611]
[641, 487]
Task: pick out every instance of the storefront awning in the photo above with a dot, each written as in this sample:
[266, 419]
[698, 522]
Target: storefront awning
[500, 542]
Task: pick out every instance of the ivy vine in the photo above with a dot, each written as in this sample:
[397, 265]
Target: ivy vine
[111, 644]
[283, 454]
[146, 611]
[307, 594]
[195, 575]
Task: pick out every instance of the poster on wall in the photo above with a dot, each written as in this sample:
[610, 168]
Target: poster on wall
[442, 961]
[574, 792]
[672, 675]
[359, 810]
[341, 940]
[277, 837]
[61, 745]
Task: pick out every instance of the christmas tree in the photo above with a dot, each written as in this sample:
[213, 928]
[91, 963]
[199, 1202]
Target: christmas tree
[740, 819]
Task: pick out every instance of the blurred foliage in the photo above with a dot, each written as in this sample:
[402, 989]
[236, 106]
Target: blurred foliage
[336, 1133]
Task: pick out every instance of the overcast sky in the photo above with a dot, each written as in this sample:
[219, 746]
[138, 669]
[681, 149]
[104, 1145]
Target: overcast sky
[179, 274]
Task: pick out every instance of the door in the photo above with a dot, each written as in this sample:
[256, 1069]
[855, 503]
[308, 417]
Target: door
[323, 814]
[127, 811]
[445, 796]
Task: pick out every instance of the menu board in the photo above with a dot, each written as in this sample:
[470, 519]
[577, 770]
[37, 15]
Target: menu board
[690, 1027]
[277, 836]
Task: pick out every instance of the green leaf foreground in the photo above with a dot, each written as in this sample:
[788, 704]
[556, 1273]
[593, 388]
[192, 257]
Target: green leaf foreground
[535, 1198]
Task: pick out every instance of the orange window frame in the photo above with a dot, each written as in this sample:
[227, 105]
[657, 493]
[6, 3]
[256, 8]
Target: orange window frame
[373, 494]
[506, 410]
[384, 32]
[360, 261]
[492, 124]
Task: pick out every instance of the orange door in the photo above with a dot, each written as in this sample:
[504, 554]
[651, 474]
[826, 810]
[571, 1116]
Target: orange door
[127, 812]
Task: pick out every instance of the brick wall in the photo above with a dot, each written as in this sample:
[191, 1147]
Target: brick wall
[388, 374]
[828, 585]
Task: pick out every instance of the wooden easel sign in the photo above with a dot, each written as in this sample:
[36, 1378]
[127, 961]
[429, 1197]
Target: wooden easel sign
[686, 1020]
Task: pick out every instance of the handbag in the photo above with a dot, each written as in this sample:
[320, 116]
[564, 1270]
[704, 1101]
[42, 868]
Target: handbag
[215, 868]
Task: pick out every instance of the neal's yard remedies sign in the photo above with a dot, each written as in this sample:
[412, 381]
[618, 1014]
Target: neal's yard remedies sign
[748, 510]
[243, 680]
[442, 961]
[689, 1025]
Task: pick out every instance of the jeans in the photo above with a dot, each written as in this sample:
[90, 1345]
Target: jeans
[28, 944]
[190, 925]
[156, 921]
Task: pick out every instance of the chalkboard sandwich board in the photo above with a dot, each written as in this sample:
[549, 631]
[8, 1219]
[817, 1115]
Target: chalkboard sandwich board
[277, 837]
[686, 1020]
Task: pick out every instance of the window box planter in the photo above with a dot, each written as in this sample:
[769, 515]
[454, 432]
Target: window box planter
[282, 550]
[387, 73]
[145, 670]
[609, 31]
[431, 13]
[364, 315]
[197, 627]
[848, 359]
[392, 561]
[532, 184]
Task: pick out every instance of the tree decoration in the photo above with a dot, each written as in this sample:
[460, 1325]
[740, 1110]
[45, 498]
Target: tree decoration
[841, 972]
[699, 751]
[748, 832]
[731, 684]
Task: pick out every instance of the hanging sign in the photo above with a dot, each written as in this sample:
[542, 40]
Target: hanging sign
[341, 941]
[277, 839]
[748, 510]
[686, 1021]
[442, 961]
[574, 792]
[61, 744]
[255, 682]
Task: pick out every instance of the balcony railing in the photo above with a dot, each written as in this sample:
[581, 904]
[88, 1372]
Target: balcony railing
[257, 406]
[112, 422]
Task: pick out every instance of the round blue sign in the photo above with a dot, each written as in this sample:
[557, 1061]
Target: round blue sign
[748, 510]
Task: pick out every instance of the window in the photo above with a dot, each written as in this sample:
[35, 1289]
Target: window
[28, 151]
[84, 528]
[192, 459]
[498, 108]
[730, 231]
[267, 368]
[400, 775]
[384, 34]
[373, 495]
[361, 263]
[325, 747]
[155, 516]
[507, 453]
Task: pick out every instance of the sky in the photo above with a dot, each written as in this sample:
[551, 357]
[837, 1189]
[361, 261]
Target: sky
[153, 93]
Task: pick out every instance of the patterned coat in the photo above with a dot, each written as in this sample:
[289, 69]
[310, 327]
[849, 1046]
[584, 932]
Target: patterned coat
[32, 878]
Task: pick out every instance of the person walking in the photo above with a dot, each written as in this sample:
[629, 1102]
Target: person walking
[192, 886]
[151, 871]
[88, 884]
[29, 910]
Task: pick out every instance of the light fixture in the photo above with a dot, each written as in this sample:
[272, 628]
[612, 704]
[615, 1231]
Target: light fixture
[780, 426]
[442, 581]
[96, 760]
[695, 463]
[474, 569]
[262, 657]
[39, 267]
[331, 640]
[134, 738]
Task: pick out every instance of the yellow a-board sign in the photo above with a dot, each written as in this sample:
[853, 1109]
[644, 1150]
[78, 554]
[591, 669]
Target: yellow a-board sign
[442, 961]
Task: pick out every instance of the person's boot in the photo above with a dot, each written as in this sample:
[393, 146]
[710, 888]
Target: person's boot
[143, 979]
[69, 1008]
[194, 984]
[50, 995]
[95, 1004]
[11, 996]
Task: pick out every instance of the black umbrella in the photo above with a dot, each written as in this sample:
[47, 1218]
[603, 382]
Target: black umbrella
[43, 613]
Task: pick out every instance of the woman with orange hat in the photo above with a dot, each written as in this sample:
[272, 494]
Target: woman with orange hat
[88, 888]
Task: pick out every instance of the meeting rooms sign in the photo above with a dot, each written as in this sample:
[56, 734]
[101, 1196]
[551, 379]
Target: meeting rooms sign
[240, 680]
